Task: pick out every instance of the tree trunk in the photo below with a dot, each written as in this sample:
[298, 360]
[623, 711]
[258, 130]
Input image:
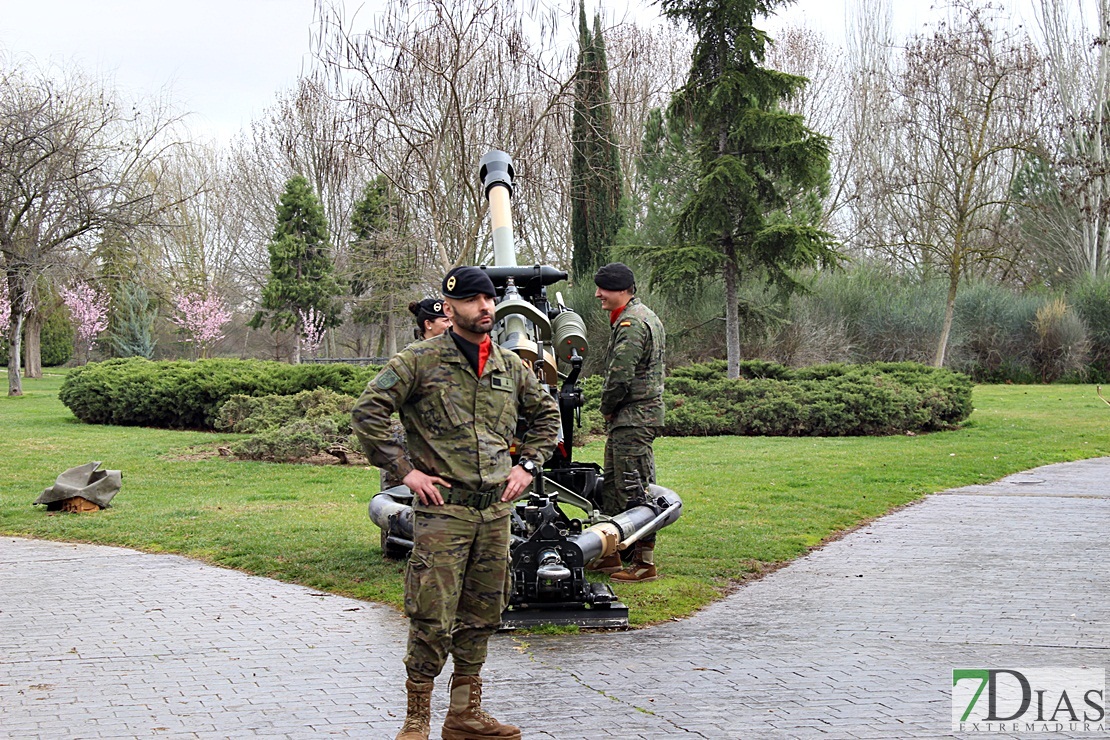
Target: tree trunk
[32, 345]
[949, 315]
[732, 308]
[15, 331]
[390, 328]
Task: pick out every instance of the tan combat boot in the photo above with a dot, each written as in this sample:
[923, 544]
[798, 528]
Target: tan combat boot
[418, 718]
[466, 720]
[608, 564]
[642, 567]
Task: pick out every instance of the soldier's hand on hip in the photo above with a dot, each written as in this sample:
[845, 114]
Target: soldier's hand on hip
[424, 486]
[519, 480]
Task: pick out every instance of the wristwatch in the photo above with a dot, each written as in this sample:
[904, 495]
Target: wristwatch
[529, 467]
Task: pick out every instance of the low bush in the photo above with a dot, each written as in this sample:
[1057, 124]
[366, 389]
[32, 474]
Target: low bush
[188, 395]
[287, 428]
[823, 400]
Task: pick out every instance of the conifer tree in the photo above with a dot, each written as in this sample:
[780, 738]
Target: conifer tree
[383, 260]
[596, 207]
[302, 274]
[131, 327]
[750, 212]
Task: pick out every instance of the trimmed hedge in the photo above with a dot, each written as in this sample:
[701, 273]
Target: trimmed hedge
[769, 399]
[188, 395]
[824, 400]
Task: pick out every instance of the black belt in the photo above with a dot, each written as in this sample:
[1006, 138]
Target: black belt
[476, 499]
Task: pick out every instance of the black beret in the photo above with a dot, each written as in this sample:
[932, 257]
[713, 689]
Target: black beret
[615, 276]
[429, 308]
[466, 281]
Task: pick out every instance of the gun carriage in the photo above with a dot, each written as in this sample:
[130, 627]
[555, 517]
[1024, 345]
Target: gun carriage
[550, 549]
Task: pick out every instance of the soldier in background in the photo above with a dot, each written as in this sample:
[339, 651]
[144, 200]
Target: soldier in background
[431, 321]
[632, 404]
[460, 397]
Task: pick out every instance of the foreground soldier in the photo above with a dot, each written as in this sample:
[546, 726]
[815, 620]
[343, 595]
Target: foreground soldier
[632, 404]
[459, 396]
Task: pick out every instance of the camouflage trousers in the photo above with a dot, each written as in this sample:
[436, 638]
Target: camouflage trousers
[456, 586]
[627, 449]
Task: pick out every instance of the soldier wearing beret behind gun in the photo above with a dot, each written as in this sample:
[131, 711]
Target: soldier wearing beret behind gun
[632, 404]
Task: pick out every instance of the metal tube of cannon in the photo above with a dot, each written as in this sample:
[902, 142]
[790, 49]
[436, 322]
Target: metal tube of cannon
[625, 528]
[391, 510]
[496, 172]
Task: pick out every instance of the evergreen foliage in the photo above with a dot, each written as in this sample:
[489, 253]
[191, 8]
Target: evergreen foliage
[56, 340]
[302, 274]
[383, 262]
[596, 187]
[752, 208]
[131, 329]
[288, 428]
[189, 395]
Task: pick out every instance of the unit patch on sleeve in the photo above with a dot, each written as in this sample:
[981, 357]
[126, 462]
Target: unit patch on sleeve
[386, 379]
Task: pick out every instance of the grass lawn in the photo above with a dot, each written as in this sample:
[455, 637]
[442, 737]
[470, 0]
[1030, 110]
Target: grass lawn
[750, 502]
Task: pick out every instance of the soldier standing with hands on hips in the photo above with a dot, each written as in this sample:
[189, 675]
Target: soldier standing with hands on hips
[632, 404]
[460, 397]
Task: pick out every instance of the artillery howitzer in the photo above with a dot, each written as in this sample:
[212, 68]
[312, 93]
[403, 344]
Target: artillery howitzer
[549, 549]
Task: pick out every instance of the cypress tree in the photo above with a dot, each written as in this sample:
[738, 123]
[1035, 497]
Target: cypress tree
[596, 187]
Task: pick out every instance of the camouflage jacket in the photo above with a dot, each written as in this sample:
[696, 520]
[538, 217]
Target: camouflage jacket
[458, 426]
[633, 390]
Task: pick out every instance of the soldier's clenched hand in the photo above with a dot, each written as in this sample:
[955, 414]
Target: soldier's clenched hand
[519, 480]
[424, 486]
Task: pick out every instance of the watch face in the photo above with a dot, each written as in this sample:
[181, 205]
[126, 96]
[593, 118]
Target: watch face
[529, 466]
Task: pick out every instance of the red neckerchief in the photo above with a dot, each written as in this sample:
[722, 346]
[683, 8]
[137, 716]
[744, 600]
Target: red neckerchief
[615, 314]
[483, 353]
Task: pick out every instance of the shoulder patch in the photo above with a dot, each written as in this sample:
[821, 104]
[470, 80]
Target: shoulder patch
[626, 323]
[386, 379]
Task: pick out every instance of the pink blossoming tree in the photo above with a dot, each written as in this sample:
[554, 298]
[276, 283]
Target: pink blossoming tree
[5, 309]
[312, 329]
[202, 319]
[88, 309]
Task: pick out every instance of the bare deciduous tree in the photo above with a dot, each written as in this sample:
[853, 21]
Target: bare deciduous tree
[963, 122]
[74, 160]
[1079, 60]
[430, 88]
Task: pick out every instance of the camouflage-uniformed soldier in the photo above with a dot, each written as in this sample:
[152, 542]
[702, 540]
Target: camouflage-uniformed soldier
[460, 397]
[431, 321]
[632, 404]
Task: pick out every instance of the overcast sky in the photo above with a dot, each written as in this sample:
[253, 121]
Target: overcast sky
[225, 60]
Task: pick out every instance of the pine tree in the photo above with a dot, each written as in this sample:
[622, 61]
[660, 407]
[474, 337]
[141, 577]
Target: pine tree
[302, 274]
[751, 212]
[596, 192]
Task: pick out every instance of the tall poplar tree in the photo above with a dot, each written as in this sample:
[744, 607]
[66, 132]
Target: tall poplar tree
[751, 211]
[596, 214]
[302, 274]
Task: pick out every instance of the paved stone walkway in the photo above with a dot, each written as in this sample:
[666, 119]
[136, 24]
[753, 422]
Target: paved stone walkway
[857, 640]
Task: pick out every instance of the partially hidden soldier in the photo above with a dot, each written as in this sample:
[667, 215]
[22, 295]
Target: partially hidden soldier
[632, 404]
[431, 321]
[460, 397]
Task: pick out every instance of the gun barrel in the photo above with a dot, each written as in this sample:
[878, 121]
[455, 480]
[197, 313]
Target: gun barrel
[496, 173]
[625, 528]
